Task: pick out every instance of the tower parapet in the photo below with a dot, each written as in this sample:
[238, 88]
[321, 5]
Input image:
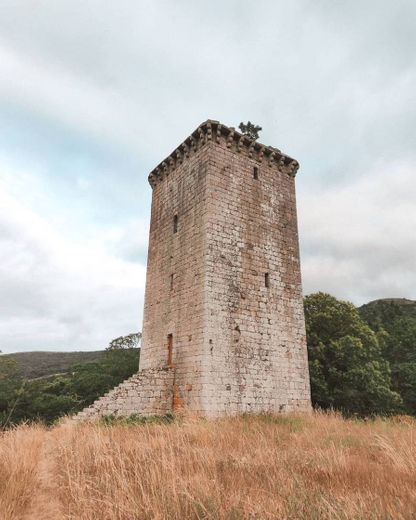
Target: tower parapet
[227, 137]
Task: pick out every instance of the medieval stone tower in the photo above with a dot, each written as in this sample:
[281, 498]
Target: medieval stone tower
[223, 328]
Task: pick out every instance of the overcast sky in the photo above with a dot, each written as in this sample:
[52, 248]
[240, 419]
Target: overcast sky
[94, 93]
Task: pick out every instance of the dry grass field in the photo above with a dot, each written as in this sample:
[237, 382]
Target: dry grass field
[287, 467]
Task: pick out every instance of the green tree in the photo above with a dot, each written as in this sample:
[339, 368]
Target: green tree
[48, 398]
[347, 368]
[44, 399]
[126, 342]
[395, 322]
[250, 129]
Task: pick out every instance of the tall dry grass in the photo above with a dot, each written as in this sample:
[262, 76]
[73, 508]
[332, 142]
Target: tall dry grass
[289, 467]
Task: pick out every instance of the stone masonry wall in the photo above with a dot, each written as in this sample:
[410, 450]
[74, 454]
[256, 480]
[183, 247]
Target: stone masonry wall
[174, 299]
[149, 392]
[254, 335]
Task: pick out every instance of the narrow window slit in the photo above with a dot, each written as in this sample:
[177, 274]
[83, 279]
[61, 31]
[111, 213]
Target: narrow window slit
[266, 280]
[170, 349]
[255, 172]
[171, 282]
[175, 224]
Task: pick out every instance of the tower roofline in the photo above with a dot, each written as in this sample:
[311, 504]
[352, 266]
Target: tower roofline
[214, 131]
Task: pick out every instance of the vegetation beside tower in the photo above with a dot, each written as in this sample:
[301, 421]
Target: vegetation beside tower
[361, 361]
[346, 364]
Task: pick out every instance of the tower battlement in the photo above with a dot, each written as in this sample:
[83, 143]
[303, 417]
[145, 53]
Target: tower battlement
[223, 326]
[214, 132]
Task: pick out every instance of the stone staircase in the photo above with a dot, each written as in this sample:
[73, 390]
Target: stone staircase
[149, 392]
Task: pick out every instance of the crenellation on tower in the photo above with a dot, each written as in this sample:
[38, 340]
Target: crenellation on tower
[229, 138]
[223, 315]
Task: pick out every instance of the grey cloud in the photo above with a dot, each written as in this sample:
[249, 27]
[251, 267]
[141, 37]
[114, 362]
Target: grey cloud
[93, 95]
[307, 71]
[56, 293]
[358, 241]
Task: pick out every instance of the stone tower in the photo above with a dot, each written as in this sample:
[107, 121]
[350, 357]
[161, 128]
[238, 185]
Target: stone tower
[223, 329]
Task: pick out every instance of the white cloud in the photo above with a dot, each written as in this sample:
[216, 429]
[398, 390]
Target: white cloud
[358, 238]
[58, 293]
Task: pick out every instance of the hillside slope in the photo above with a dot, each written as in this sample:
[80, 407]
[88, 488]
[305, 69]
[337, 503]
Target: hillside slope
[39, 364]
[386, 310]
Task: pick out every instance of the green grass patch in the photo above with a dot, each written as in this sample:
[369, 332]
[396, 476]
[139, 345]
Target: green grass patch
[137, 419]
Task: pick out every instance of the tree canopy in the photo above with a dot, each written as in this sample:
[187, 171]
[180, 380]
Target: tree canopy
[347, 368]
[50, 397]
[395, 324]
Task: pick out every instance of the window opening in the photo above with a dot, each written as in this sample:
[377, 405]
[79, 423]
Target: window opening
[266, 280]
[255, 172]
[175, 224]
[170, 349]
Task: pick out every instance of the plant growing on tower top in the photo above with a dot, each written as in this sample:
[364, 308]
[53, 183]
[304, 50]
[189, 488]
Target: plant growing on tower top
[250, 129]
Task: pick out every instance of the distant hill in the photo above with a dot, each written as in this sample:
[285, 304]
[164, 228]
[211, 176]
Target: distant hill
[39, 364]
[386, 310]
